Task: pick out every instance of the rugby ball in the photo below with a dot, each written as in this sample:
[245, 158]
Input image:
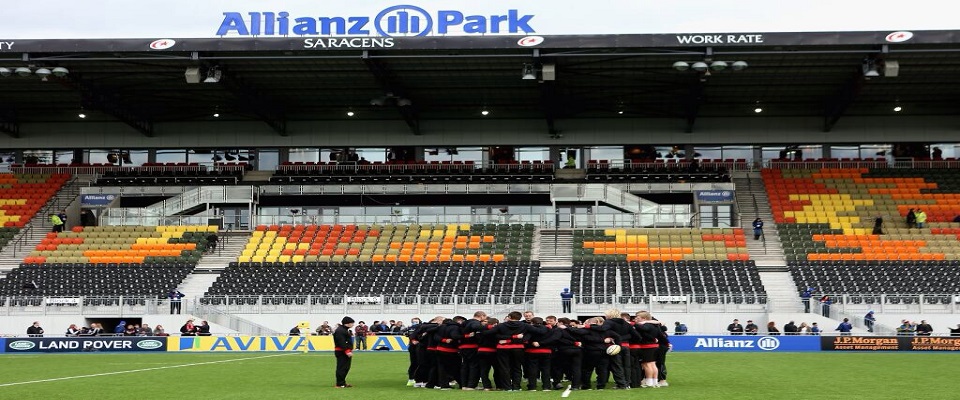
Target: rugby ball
[613, 350]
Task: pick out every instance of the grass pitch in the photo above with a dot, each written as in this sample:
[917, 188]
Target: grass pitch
[378, 375]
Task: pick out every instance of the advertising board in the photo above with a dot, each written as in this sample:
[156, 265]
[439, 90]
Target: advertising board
[84, 344]
[275, 343]
[745, 343]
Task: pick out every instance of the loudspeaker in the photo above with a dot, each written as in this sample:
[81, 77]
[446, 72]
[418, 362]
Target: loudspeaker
[549, 72]
[891, 68]
[192, 75]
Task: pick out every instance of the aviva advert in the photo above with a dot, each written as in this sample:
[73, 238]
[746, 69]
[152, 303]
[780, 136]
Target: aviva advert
[276, 343]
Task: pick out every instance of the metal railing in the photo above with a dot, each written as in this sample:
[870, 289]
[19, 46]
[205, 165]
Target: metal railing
[233, 322]
[857, 305]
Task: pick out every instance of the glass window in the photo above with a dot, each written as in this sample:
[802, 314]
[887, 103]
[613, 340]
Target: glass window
[708, 153]
[441, 154]
[38, 156]
[268, 159]
[874, 150]
[305, 155]
[947, 150]
[845, 151]
[164, 156]
[738, 152]
[533, 153]
[609, 153]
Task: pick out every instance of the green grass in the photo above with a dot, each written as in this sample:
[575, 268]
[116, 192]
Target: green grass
[383, 376]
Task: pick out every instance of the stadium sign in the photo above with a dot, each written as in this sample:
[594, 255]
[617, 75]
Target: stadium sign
[398, 20]
[890, 343]
[84, 344]
[745, 343]
[3, 345]
[715, 196]
[275, 343]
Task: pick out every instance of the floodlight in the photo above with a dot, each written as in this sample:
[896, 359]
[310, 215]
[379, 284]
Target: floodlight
[700, 66]
[23, 71]
[60, 72]
[681, 66]
[529, 72]
[718, 65]
[739, 65]
[43, 72]
[5, 72]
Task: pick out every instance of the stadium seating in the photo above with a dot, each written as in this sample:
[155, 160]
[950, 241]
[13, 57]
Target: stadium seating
[656, 244]
[68, 280]
[864, 283]
[319, 173]
[656, 172]
[467, 283]
[184, 174]
[23, 195]
[703, 282]
[123, 244]
[388, 243]
[828, 214]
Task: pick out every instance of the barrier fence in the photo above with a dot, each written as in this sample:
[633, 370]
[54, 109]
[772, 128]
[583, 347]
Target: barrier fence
[685, 343]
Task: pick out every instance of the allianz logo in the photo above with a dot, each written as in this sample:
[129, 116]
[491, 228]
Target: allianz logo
[764, 343]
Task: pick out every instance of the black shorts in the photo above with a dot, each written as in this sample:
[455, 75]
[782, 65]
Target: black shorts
[648, 355]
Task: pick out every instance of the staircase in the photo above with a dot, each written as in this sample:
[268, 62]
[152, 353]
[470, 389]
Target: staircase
[753, 203]
[549, 286]
[36, 230]
[555, 249]
[782, 296]
[210, 266]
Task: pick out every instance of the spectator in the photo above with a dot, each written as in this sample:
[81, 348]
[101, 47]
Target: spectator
[845, 327]
[772, 329]
[212, 240]
[937, 153]
[361, 331]
[396, 328]
[921, 218]
[159, 331]
[72, 330]
[757, 228]
[869, 320]
[911, 219]
[825, 305]
[905, 329]
[735, 328]
[96, 328]
[790, 329]
[131, 330]
[383, 327]
[175, 298]
[35, 330]
[325, 329]
[375, 328]
[955, 331]
[805, 299]
[956, 219]
[120, 328]
[56, 223]
[679, 329]
[804, 329]
[815, 329]
[145, 330]
[188, 329]
[924, 329]
[751, 328]
[566, 299]
[203, 329]
[878, 225]
[295, 331]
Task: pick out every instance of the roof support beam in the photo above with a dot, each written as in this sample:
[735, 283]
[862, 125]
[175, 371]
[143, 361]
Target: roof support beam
[254, 101]
[97, 98]
[837, 105]
[388, 83]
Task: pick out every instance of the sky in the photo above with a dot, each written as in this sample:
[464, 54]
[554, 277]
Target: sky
[99, 19]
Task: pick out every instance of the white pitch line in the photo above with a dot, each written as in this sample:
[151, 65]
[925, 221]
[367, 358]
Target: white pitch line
[141, 370]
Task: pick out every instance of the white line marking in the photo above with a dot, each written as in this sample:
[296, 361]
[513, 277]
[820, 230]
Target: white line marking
[141, 370]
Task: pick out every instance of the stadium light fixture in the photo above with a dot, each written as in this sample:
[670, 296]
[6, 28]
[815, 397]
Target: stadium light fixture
[529, 72]
[870, 68]
[5, 72]
[485, 112]
[739, 65]
[700, 66]
[81, 115]
[681, 65]
[350, 113]
[213, 75]
[897, 108]
[708, 65]
[23, 71]
[719, 65]
[60, 72]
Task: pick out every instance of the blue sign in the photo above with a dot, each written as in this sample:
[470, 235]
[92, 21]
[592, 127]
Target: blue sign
[97, 200]
[399, 20]
[84, 344]
[745, 343]
[3, 345]
[715, 196]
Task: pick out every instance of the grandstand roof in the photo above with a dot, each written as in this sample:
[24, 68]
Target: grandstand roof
[141, 87]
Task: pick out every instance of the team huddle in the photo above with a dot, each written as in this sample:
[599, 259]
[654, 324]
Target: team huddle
[464, 352]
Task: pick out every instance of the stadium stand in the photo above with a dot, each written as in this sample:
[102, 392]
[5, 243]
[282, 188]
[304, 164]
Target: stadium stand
[711, 265]
[660, 171]
[22, 196]
[95, 280]
[828, 214]
[388, 243]
[402, 283]
[412, 172]
[188, 174]
[123, 244]
[865, 283]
